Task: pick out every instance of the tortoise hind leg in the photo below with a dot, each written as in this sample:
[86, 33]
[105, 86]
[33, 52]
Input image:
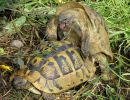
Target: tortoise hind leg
[104, 65]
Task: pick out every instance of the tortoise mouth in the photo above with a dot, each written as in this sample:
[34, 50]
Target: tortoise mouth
[62, 26]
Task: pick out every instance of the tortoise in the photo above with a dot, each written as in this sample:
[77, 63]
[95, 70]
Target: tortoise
[85, 28]
[54, 72]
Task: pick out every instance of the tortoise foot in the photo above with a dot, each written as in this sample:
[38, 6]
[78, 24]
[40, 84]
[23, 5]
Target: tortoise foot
[107, 76]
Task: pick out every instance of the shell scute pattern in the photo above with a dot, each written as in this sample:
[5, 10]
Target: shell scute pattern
[49, 74]
[49, 71]
[64, 63]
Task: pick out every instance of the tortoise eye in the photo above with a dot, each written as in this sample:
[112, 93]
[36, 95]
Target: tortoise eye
[65, 20]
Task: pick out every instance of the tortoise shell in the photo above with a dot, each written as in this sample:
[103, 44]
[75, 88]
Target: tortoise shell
[63, 68]
[94, 33]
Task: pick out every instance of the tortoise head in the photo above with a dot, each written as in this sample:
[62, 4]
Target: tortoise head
[21, 82]
[66, 19]
[67, 13]
[70, 20]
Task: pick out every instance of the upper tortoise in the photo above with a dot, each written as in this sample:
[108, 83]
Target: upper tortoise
[84, 28]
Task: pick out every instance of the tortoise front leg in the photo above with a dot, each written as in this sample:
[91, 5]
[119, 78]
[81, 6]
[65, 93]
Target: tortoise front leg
[85, 46]
[51, 30]
[60, 96]
[49, 96]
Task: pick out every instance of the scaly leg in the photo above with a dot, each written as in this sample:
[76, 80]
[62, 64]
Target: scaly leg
[60, 96]
[104, 65]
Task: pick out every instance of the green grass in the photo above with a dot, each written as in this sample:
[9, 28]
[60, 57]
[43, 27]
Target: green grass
[116, 14]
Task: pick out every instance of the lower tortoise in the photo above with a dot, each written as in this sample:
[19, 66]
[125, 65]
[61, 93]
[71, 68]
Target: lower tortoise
[55, 72]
